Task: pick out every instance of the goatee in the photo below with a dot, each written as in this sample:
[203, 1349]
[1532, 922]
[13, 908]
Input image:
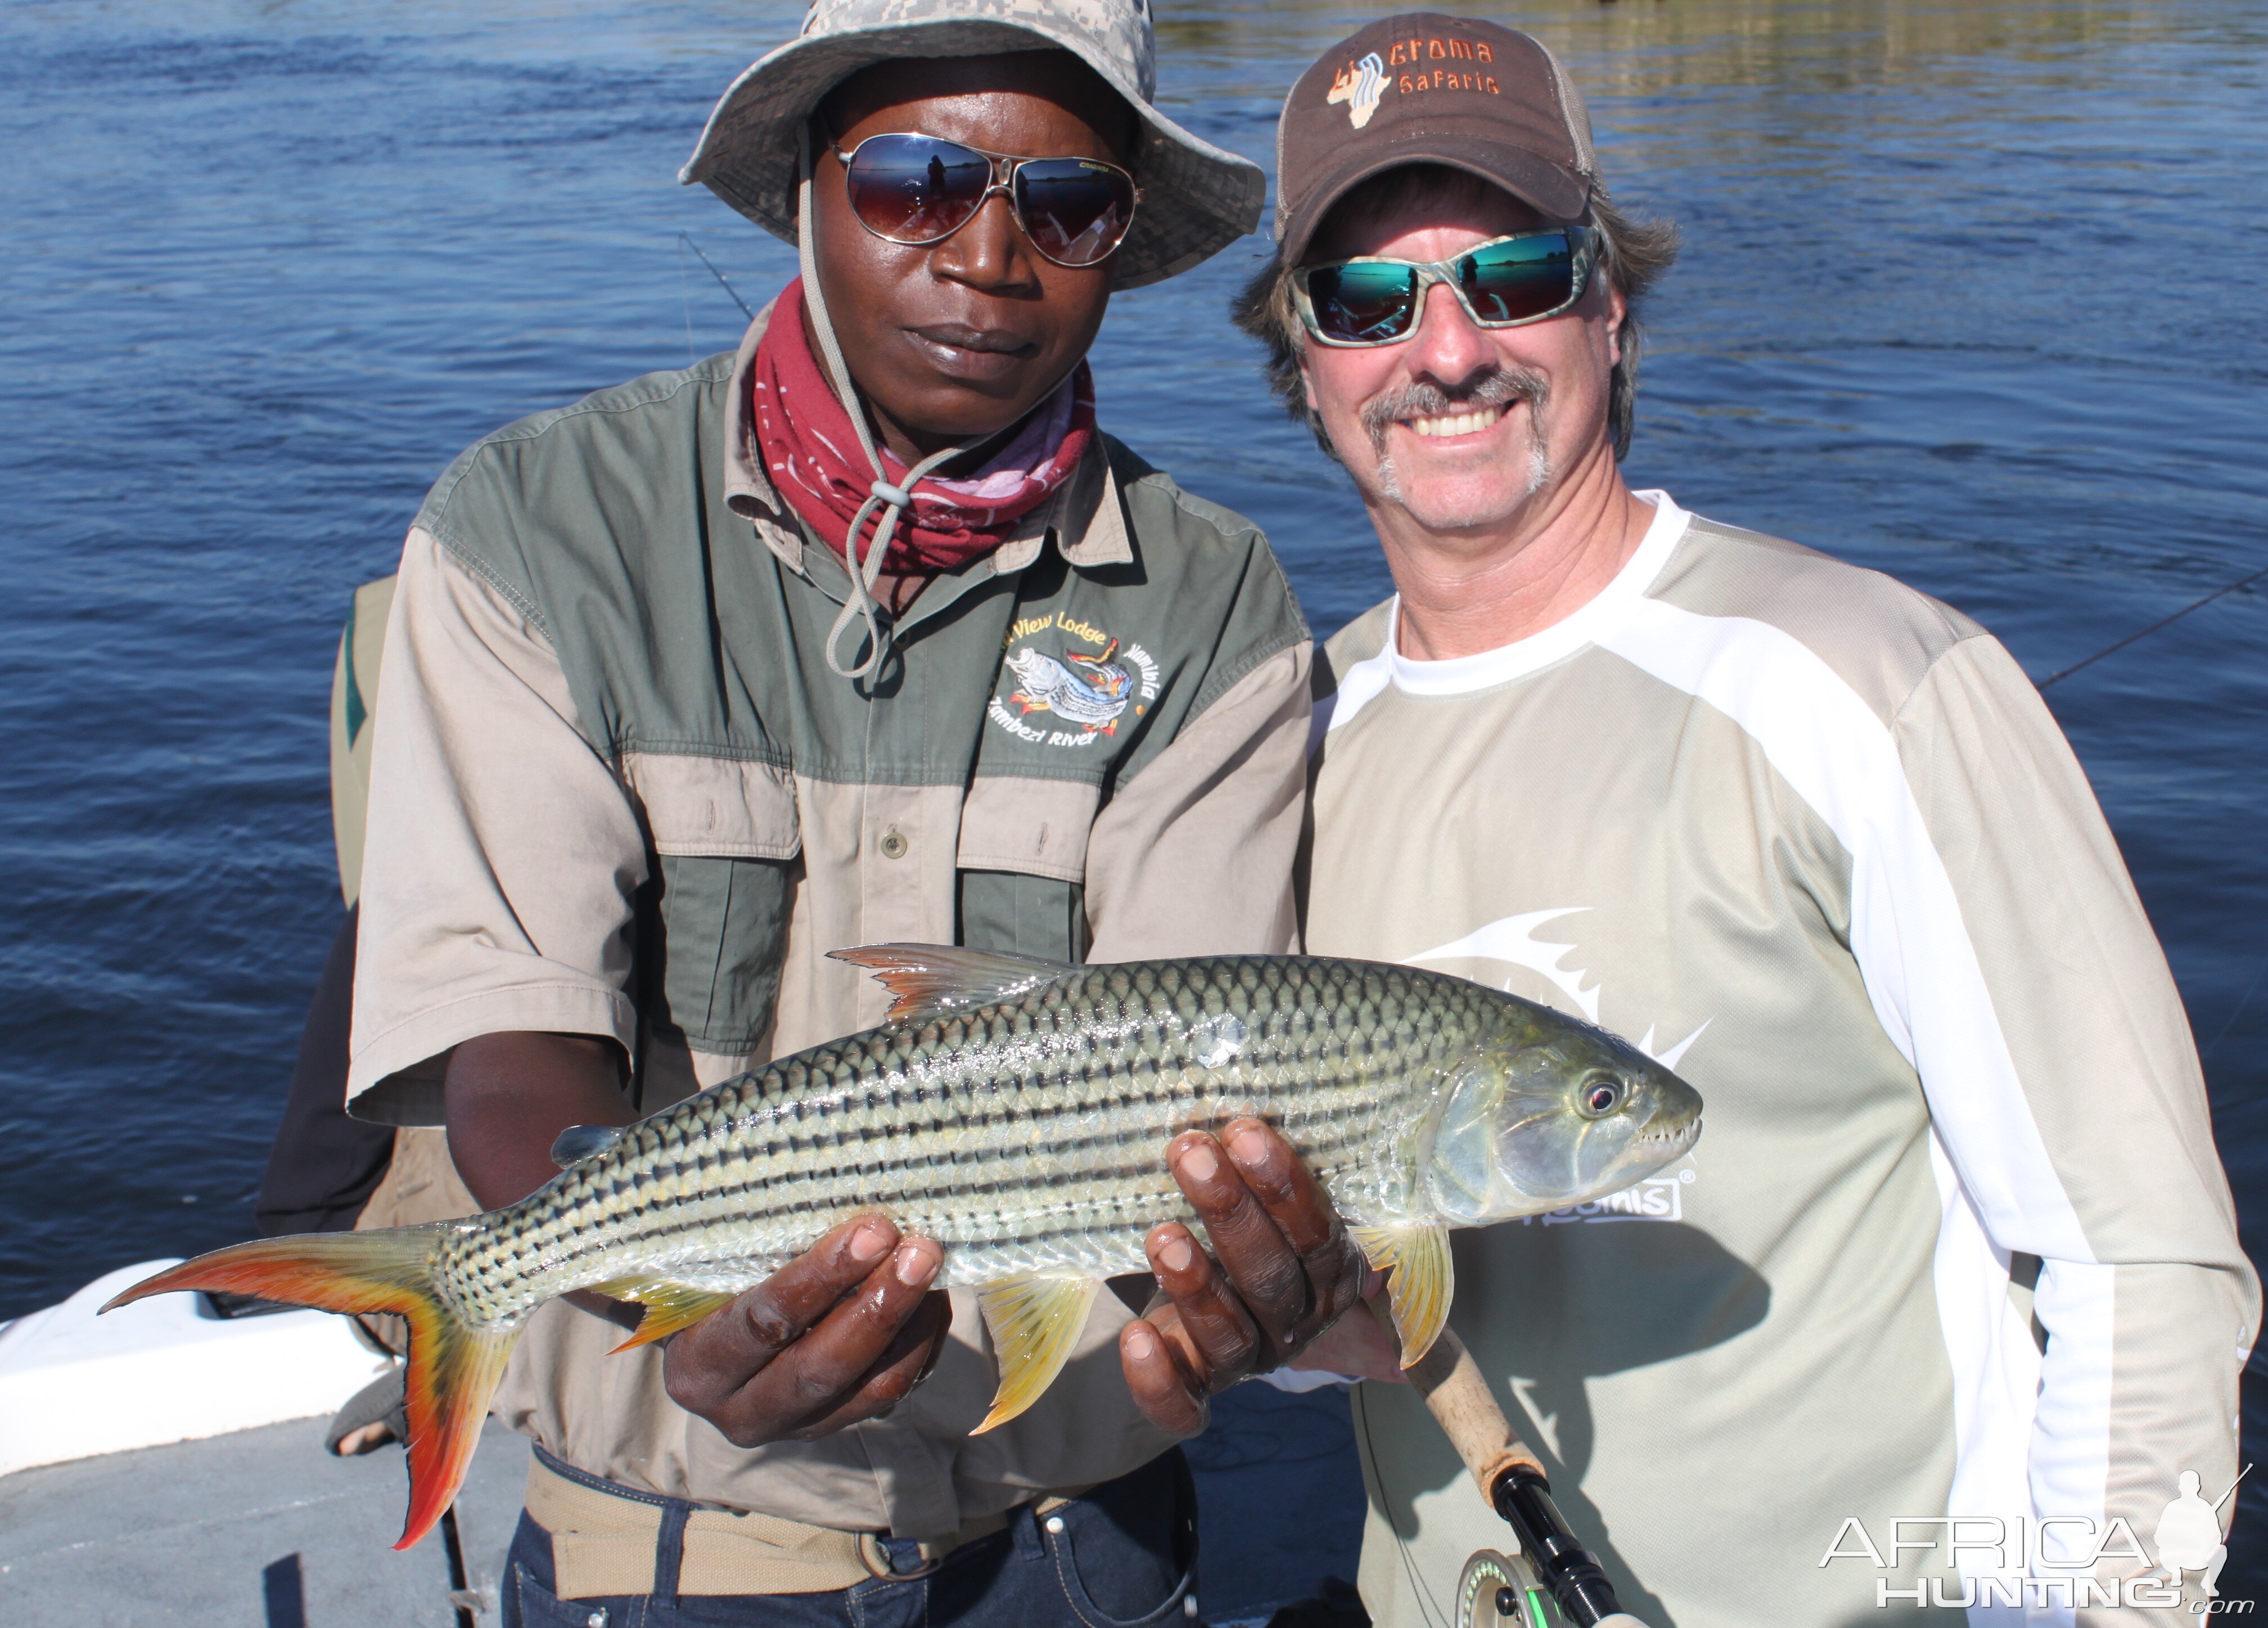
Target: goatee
[1503, 387]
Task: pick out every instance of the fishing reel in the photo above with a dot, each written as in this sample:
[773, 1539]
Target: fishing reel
[1549, 1581]
[1501, 1591]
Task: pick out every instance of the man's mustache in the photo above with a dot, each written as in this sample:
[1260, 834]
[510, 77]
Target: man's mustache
[1500, 386]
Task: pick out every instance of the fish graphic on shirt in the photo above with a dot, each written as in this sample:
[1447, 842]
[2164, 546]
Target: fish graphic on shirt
[1093, 702]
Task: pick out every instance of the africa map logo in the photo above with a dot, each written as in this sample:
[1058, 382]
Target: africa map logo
[1360, 85]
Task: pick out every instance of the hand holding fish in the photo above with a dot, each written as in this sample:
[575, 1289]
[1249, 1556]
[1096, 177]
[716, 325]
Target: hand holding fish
[840, 1334]
[1286, 1271]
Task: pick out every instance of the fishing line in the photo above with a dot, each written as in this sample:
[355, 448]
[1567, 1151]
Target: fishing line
[685, 300]
[1355, 1405]
[2053, 678]
[686, 237]
[2236, 1012]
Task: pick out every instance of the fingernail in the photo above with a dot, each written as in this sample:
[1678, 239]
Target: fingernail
[869, 1241]
[1248, 1147]
[1197, 1162]
[1174, 1255]
[1140, 1345]
[916, 1265]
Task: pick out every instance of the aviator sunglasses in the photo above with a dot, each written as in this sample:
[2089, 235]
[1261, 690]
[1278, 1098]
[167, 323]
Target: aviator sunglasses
[917, 190]
[1373, 300]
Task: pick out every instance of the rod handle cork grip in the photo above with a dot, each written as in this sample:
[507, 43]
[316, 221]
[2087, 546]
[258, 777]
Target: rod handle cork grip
[1458, 1399]
[1511, 1479]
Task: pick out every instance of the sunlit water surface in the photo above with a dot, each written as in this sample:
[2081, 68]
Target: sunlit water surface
[1973, 293]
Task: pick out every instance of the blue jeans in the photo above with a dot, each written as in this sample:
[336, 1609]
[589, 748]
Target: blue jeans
[1124, 1557]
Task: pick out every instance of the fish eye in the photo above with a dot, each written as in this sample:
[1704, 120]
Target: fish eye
[1600, 1097]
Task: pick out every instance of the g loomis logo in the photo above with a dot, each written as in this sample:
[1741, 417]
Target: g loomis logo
[1513, 940]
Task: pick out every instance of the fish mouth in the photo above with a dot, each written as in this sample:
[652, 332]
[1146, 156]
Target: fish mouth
[1666, 1142]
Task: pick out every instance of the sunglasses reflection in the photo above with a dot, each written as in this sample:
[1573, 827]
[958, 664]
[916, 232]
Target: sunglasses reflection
[917, 190]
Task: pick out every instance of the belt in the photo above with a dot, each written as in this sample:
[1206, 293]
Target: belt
[605, 1540]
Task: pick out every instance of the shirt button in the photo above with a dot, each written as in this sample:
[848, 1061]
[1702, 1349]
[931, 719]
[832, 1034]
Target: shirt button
[894, 846]
[1056, 1525]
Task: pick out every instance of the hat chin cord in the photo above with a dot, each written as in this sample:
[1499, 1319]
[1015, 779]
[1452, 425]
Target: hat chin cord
[894, 501]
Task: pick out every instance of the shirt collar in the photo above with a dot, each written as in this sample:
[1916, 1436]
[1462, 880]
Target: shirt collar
[1086, 518]
[1598, 617]
[749, 491]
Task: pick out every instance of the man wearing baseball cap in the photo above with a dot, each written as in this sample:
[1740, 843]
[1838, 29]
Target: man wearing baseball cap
[864, 633]
[1956, 1244]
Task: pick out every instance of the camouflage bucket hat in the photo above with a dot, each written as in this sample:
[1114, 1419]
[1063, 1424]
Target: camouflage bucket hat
[1196, 199]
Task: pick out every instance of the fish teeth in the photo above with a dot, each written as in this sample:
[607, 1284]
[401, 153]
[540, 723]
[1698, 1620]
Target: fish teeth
[1458, 423]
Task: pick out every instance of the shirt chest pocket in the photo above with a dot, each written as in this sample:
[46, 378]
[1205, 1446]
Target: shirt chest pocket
[712, 928]
[1022, 866]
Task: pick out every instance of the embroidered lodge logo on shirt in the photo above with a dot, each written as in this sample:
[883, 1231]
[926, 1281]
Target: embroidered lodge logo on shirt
[1083, 693]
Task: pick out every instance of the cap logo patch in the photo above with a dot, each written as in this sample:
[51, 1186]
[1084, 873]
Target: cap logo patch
[1359, 85]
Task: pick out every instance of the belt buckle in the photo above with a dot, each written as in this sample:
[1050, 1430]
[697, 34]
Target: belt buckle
[876, 1559]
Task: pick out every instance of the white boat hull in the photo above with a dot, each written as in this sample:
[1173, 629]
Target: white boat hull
[73, 1386]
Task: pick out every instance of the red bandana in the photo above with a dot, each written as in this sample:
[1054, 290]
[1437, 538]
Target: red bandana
[812, 453]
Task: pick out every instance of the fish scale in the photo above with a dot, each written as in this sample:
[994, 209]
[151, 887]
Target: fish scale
[1016, 1111]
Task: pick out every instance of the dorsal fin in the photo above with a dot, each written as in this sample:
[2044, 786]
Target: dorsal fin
[578, 1143]
[932, 981]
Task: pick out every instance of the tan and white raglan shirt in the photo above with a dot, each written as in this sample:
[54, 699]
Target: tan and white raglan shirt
[1955, 1242]
[614, 790]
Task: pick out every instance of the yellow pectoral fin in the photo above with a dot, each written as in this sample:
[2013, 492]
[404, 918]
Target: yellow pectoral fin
[669, 1307]
[1422, 1282]
[1034, 1321]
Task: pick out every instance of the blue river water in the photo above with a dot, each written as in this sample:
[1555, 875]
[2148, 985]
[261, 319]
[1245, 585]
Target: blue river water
[1971, 292]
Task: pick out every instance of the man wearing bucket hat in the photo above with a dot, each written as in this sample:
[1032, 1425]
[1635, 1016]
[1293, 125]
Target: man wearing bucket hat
[864, 633]
[1956, 1246]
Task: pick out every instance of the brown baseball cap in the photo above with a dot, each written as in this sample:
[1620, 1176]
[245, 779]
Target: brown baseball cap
[1421, 88]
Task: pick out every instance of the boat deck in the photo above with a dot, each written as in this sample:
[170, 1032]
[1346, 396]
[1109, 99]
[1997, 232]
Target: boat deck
[258, 1527]
[262, 1527]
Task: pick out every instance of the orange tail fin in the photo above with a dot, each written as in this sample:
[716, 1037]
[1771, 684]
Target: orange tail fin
[453, 1366]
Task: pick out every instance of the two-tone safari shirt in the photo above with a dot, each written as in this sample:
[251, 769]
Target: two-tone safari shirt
[1955, 1242]
[617, 791]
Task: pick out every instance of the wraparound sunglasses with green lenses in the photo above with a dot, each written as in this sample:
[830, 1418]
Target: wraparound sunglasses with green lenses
[1508, 281]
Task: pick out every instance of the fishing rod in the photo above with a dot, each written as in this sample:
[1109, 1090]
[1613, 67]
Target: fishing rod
[2240, 582]
[1548, 1558]
[686, 239]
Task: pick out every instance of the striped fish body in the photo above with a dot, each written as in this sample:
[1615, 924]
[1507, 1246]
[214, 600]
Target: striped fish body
[1026, 1136]
[1017, 1112]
